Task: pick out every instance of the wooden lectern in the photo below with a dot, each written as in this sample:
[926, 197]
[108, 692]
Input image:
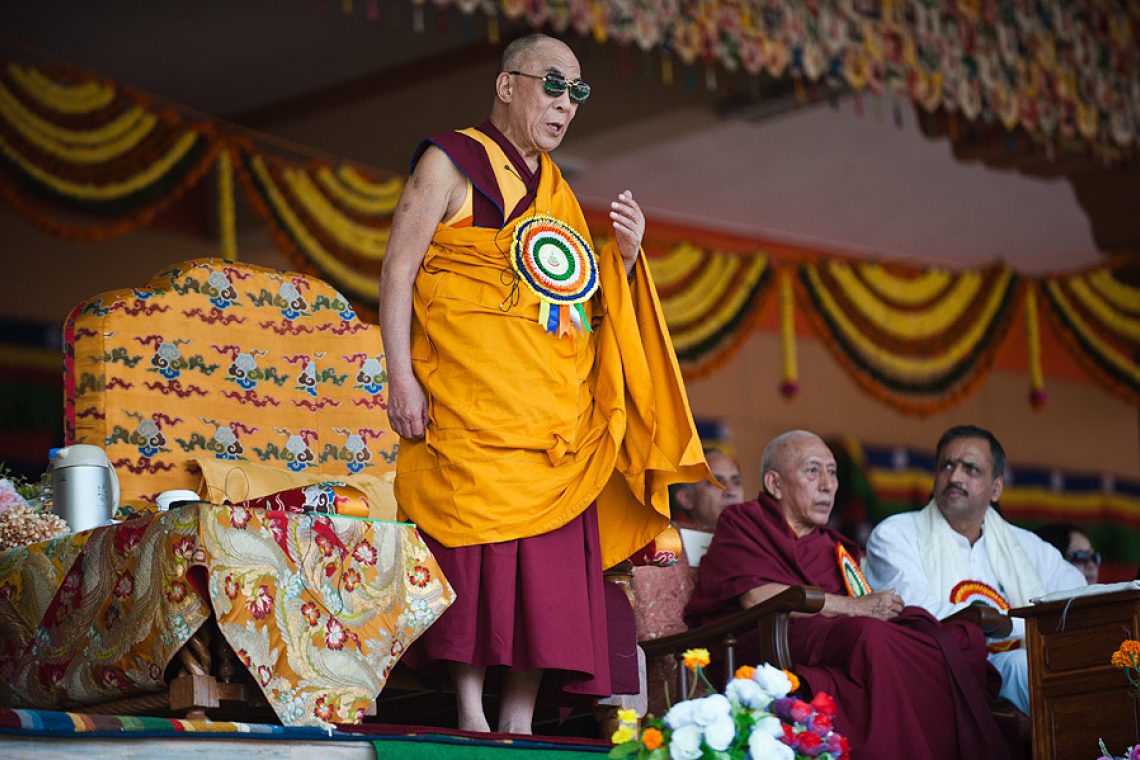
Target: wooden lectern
[1076, 696]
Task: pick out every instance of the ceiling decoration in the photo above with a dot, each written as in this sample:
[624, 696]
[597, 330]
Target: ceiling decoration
[1064, 69]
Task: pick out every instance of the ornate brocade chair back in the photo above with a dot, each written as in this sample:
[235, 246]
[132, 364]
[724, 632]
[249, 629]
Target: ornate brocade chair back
[223, 360]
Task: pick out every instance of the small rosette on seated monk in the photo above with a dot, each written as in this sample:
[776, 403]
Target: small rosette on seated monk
[327, 498]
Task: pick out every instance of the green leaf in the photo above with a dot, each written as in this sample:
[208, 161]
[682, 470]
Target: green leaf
[624, 750]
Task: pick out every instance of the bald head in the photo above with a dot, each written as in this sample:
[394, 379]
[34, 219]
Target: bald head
[775, 456]
[799, 474]
[519, 53]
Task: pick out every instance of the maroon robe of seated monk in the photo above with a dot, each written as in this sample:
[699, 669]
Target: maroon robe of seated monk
[911, 687]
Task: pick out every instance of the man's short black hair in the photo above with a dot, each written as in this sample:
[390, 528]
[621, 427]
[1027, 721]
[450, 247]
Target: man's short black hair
[997, 453]
[1059, 534]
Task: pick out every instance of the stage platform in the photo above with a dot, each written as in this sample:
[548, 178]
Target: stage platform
[50, 735]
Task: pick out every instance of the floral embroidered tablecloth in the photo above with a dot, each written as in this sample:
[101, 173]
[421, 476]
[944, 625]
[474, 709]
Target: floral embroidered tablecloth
[318, 608]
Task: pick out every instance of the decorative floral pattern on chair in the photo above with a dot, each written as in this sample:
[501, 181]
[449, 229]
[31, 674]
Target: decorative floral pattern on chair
[231, 361]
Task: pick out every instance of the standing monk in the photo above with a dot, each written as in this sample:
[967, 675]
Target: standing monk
[534, 389]
[905, 684]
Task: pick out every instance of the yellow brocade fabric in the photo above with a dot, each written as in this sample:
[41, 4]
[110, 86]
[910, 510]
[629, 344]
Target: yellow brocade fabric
[317, 608]
[527, 429]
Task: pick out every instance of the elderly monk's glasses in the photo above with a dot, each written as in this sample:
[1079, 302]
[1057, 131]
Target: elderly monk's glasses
[555, 84]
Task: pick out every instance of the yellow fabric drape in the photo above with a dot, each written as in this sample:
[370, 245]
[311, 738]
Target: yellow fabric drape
[528, 429]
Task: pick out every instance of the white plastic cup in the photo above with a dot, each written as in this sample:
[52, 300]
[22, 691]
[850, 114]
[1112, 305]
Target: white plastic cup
[167, 499]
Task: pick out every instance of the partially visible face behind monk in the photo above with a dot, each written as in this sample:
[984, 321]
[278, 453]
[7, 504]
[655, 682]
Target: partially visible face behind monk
[804, 483]
[536, 121]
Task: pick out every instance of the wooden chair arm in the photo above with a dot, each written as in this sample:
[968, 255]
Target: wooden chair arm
[769, 619]
[992, 622]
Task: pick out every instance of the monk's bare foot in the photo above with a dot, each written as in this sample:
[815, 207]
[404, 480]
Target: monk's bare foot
[515, 727]
[475, 723]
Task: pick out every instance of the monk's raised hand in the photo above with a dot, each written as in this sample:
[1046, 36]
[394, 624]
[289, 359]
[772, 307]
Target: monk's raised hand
[407, 408]
[629, 227]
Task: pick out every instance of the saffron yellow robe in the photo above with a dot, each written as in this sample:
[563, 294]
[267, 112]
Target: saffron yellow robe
[526, 429]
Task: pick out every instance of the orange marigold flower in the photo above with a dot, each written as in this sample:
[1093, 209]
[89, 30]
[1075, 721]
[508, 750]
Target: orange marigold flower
[1121, 660]
[696, 658]
[745, 671]
[1130, 646]
[794, 679]
[652, 739]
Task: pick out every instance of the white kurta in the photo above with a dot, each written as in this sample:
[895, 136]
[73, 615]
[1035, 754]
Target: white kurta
[893, 561]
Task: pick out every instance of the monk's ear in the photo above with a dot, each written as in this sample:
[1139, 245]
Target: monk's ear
[772, 484]
[684, 497]
[503, 87]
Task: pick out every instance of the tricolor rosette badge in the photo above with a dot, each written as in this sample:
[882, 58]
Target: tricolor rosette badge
[559, 267]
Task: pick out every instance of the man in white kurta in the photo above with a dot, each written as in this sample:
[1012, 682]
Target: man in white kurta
[958, 551]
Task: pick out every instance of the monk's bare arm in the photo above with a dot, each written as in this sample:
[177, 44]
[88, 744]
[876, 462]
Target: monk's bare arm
[434, 191]
[884, 605]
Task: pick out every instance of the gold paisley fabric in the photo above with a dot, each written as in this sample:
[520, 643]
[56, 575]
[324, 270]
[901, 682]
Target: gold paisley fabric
[318, 608]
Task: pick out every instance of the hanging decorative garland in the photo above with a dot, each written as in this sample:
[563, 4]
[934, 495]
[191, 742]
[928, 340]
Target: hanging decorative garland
[710, 300]
[307, 245]
[1098, 316]
[921, 358]
[102, 154]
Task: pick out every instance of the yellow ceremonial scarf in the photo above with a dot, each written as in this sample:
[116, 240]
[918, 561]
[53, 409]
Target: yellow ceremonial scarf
[527, 429]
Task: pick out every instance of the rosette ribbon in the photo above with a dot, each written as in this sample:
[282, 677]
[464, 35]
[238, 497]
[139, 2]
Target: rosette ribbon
[559, 267]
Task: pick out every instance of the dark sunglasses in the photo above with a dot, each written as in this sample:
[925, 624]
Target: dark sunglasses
[1084, 557]
[556, 84]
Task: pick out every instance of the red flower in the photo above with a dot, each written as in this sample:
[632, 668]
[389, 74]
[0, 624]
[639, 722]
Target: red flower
[420, 576]
[789, 733]
[264, 675]
[364, 553]
[334, 634]
[233, 587]
[311, 612]
[397, 648]
[801, 711]
[261, 604]
[823, 703]
[806, 740]
[184, 548]
[325, 710]
[324, 545]
[176, 592]
[51, 674]
[125, 585]
[820, 724]
[127, 537]
[239, 517]
[74, 580]
[352, 579]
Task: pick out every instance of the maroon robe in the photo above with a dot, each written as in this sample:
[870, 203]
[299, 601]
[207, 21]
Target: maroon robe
[911, 687]
[538, 602]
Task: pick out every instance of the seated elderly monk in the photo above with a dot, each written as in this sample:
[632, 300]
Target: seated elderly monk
[905, 684]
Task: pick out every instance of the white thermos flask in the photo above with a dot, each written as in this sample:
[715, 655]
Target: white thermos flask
[84, 486]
